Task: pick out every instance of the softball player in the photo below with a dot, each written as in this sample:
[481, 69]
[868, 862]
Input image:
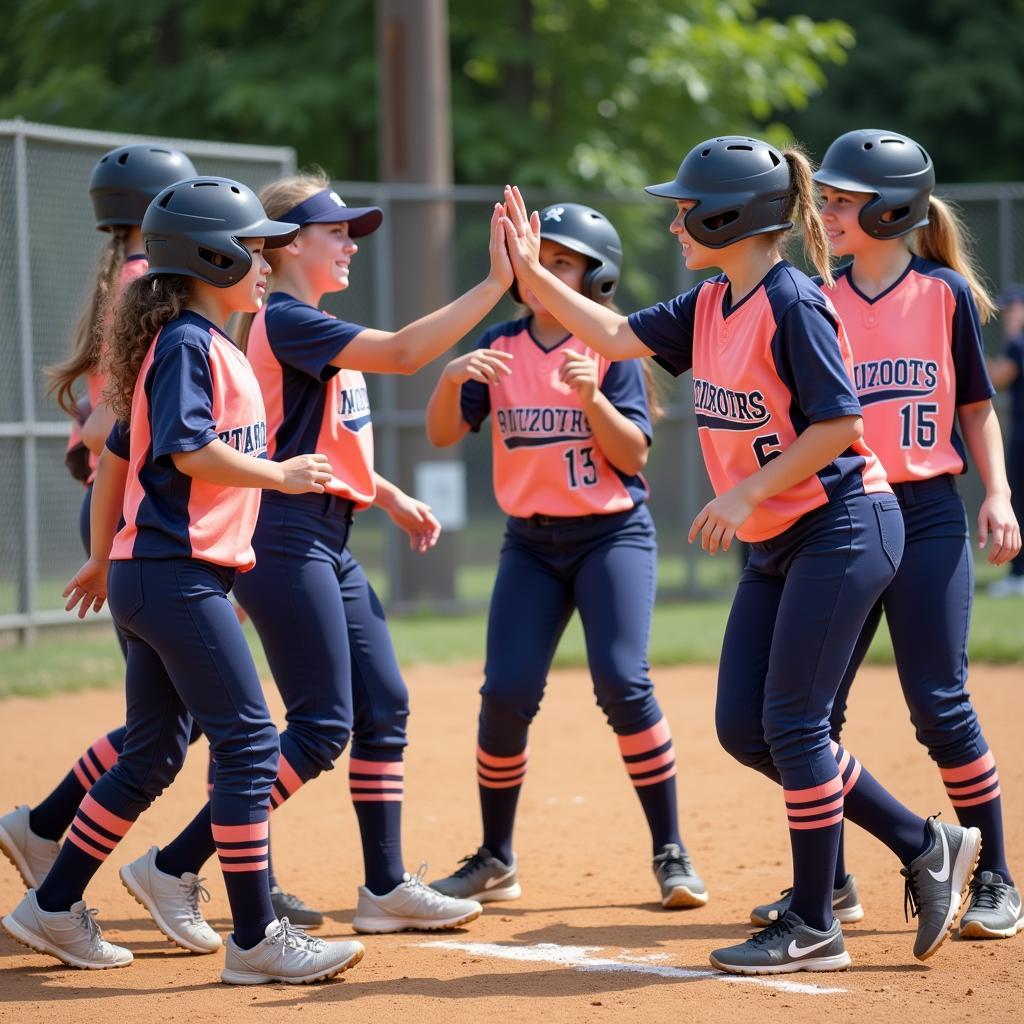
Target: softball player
[910, 301]
[570, 432]
[320, 622]
[1008, 374]
[189, 457]
[779, 426]
[123, 183]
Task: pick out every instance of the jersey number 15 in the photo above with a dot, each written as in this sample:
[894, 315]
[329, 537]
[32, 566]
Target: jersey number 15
[917, 424]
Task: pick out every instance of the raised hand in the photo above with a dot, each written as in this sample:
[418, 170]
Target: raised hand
[522, 231]
[501, 265]
[305, 474]
[486, 365]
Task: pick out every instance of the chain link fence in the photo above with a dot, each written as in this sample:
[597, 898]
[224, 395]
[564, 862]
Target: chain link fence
[46, 271]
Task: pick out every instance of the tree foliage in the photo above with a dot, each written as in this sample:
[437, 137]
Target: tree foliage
[600, 92]
[949, 73]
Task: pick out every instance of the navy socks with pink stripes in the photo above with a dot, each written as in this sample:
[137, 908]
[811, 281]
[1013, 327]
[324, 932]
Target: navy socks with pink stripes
[243, 851]
[51, 817]
[973, 789]
[650, 760]
[378, 789]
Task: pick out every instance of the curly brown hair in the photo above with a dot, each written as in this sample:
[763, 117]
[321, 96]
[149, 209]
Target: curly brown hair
[145, 307]
[87, 346]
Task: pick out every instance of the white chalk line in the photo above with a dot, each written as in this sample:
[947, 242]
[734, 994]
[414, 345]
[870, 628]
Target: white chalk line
[582, 958]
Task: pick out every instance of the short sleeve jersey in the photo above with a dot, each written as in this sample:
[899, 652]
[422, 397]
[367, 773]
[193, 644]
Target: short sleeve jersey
[194, 387]
[546, 459]
[1014, 351]
[313, 406]
[764, 370]
[917, 355]
[132, 269]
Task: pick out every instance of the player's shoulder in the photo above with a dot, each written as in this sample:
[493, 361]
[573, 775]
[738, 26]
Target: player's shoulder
[506, 330]
[789, 290]
[189, 330]
[955, 281]
[840, 279]
[280, 307]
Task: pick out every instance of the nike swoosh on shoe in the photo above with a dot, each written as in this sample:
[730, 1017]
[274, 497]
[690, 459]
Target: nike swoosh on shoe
[943, 874]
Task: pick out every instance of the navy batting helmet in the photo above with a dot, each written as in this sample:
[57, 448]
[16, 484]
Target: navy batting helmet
[126, 180]
[590, 233]
[740, 187]
[892, 168]
[194, 228]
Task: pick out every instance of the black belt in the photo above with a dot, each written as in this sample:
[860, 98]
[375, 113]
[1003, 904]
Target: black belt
[913, 491]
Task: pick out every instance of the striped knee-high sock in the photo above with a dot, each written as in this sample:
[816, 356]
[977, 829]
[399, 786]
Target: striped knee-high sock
[870, 805]
[243, 851]
[378, 789]
[92, 836]
[194, 846]
[500, 780]
[650, 760]
[815, 824]
[51, 817]
[973, 790]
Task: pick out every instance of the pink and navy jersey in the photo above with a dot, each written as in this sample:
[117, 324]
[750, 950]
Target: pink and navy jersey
[313, 406]
[96, 382]
[764, 370]
[546, 460]
[917, 355]
[194, 387]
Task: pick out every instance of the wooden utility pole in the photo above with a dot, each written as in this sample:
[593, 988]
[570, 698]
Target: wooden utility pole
[415, 147]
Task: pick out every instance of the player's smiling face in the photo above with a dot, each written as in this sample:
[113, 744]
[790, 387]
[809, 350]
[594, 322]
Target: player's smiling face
[695, 255]
[247, 295]
[840, 212]
[324, 254]
[569, 267]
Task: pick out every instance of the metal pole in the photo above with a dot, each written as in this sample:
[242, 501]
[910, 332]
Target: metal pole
[27, 589]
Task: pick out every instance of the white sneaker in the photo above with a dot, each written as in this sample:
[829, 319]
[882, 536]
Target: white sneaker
[32, 855]
[288, 954]
[172, 902]
[72, 936]
[411, 905]
[1008, 586]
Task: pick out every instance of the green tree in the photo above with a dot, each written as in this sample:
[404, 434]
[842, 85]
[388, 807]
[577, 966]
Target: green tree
[600, 92]
[948, 73]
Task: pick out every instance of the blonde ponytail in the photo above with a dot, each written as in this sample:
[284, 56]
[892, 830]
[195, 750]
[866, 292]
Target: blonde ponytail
[945, 240]
[92, 323]
[804, 209]
[278, 198]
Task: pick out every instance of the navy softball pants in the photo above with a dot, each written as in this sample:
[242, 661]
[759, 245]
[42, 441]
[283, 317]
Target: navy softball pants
[187, 658]
[798, 612]
[606, 567]
[928, 609]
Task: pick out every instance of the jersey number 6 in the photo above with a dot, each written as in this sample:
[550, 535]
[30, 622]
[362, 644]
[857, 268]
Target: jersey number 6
[582, 470]
[766, 447]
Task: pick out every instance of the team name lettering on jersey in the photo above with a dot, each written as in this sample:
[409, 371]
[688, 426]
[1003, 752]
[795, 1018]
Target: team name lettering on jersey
[725, 409]
[884, 380]
[354, 408]
[249, 440]
[534, 426]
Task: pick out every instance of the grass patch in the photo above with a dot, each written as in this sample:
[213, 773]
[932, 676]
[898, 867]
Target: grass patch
[84, 657]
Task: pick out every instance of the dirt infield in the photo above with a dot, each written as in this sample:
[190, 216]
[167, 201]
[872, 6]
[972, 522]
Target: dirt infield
[586, 942]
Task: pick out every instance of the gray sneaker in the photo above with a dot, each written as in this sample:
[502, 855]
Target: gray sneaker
[845, 905]
[995, 911]
[289, 955]
[681, 886]
[72, 936]
[785, 947]
[482, 878]
[937, 881]
[287, 904]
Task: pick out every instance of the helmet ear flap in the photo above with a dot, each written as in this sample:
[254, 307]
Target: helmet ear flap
[600, 282]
